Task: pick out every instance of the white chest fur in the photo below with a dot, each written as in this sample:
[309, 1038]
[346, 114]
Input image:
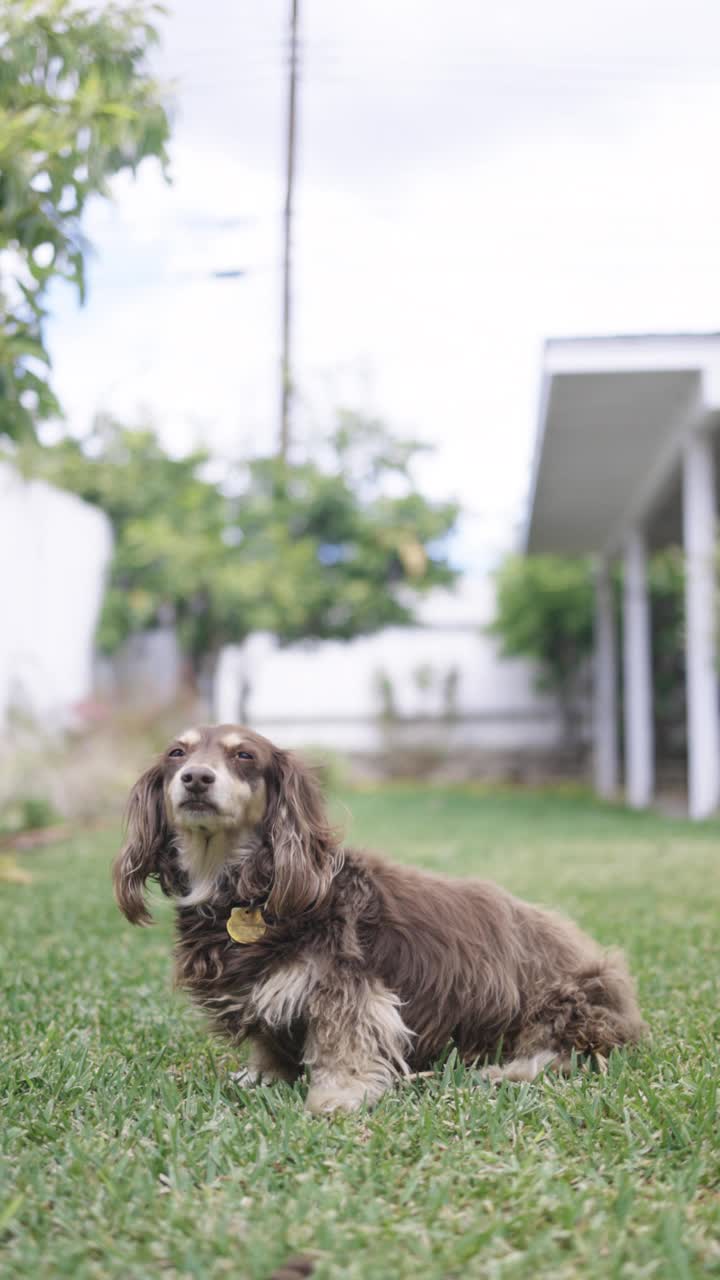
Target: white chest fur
[204, 856]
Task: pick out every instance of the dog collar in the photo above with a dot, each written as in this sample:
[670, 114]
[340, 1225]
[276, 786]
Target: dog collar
[246, 925]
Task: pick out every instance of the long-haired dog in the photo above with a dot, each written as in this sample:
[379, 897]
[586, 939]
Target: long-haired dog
[329, 959]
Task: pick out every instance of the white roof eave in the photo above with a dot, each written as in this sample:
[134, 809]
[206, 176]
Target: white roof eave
[595, 474]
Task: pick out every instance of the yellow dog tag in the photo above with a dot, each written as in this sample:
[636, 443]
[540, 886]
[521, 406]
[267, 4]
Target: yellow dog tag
[246, 924]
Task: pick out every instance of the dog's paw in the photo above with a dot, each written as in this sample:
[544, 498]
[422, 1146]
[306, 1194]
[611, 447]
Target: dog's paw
[326, 1102]
[327, 1098]
[523, 1070]
[248, 1078]
[495, 1075]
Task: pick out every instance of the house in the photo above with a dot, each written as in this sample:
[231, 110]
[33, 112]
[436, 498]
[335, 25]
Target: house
[627, 457]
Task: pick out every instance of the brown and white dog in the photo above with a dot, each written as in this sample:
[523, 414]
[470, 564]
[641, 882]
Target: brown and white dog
[330, 959]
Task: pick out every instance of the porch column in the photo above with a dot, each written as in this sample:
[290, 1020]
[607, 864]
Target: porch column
[605, 686]
[699, 528]
[637, 673]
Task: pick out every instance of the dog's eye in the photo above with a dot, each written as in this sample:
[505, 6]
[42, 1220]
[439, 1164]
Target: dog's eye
[243, 755]
[176, 752]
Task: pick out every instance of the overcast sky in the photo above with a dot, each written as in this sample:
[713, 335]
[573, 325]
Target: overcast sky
[473, 178]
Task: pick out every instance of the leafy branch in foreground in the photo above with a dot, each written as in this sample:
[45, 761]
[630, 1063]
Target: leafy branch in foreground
[78, 105]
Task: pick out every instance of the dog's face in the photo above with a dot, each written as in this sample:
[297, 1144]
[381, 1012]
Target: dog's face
[228, 782]
[217, 779]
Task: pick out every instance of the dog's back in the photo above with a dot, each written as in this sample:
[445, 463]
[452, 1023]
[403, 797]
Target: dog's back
[474, 965]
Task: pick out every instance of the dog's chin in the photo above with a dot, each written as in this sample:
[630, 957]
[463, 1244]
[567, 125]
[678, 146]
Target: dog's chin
[194, 815]
[201, 816]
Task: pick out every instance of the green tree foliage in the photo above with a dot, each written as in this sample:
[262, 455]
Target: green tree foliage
[545, 611]
[77, 105]
[330, 547]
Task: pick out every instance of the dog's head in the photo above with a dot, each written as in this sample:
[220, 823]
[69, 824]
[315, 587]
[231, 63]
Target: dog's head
[227, 780]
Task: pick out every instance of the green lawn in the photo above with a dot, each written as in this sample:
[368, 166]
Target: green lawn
[128, 1151]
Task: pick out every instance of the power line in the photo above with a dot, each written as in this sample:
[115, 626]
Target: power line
[286, 372]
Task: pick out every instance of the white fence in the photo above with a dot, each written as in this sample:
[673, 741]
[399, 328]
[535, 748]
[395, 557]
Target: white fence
[54, 551]
[442, 683]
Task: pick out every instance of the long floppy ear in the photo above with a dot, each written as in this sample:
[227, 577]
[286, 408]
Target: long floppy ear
[147, 837]
[304, 845]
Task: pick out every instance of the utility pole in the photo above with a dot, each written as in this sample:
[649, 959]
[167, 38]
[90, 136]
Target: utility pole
[287, 387]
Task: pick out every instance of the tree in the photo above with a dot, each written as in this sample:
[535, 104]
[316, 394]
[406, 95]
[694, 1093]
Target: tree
[312, 550]
[545, 611]
[77, 105]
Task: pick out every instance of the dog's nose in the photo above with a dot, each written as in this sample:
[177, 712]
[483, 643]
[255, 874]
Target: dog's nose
[198, 777]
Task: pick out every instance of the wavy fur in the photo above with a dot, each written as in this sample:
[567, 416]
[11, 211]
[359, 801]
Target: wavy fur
[367, 969]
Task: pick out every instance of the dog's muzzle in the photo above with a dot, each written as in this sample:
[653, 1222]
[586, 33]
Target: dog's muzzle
[197, 781]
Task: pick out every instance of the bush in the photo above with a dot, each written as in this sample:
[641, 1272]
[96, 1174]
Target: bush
[545, 612]
[27, 813]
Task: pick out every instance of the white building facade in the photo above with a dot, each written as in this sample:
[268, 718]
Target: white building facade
[627, 462]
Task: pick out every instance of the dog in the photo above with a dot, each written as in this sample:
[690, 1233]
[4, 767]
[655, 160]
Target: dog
[333, 960]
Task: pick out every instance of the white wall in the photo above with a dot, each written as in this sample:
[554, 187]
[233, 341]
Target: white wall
[326, 695]
[54, 551]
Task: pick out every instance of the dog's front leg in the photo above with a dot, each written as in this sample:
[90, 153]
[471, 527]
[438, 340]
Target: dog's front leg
[266, 1064]
[356, 1044]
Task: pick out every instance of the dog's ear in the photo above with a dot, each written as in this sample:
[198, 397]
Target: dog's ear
[303, 844]
[147, 837]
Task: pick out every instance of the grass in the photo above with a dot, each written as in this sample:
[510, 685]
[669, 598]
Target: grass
[128, 1152]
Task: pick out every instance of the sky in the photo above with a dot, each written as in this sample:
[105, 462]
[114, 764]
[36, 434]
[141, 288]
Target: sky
[472, 179]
